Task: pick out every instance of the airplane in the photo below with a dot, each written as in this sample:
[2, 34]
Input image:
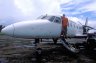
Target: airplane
[46, 27]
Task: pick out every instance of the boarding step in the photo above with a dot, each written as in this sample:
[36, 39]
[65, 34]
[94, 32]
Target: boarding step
[69, 47]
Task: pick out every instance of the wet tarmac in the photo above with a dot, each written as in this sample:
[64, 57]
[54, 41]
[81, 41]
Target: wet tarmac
[17, 50]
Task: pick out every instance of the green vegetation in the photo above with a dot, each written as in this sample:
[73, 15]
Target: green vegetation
[1, 33]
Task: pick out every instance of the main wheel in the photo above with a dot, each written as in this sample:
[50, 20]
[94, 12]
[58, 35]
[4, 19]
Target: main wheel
[55, 40]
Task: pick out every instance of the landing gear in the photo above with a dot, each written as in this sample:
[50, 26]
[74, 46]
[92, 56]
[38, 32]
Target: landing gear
[37, 40]
[38, 50]
[55, 40]
[38, 55]
[91, 42]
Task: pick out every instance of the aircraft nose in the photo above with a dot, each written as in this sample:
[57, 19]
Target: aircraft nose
[9, 30]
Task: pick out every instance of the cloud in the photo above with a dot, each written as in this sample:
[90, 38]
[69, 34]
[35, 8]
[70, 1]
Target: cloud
[27, 9]
[38, 7]
[26, 6]
[79, 7]
[8, 10]
[90, 6]
[82, 21]
[31, 9]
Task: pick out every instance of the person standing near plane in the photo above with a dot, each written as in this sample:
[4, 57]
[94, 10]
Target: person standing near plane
[64, 25]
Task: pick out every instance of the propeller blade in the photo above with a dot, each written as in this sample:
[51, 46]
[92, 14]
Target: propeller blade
[90, 27]
[86, 23]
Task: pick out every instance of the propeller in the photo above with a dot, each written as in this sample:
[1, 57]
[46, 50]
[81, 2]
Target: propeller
[90, 27]
[86, 23]
[86, 28]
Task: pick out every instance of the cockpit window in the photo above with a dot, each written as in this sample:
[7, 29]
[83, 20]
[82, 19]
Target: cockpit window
[50, 18]
[57, 20]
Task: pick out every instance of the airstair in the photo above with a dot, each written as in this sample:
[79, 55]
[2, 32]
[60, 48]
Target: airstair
[68, 46]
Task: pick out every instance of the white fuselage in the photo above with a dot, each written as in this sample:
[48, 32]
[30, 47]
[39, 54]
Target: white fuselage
[74, 29]
[37, 29]
[34, 29]
[42, 28]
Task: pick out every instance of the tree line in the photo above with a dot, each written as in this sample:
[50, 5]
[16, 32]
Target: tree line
[1, 26]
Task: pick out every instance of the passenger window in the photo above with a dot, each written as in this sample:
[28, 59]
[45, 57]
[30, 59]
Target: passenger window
[68, 24]
[74, 25]
[57, 21]
[77, 27]
[71, 25]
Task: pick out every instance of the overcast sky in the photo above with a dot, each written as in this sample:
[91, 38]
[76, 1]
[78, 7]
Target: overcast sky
[18, 10]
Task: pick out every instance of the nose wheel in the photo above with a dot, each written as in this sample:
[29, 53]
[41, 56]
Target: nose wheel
[37, 41]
